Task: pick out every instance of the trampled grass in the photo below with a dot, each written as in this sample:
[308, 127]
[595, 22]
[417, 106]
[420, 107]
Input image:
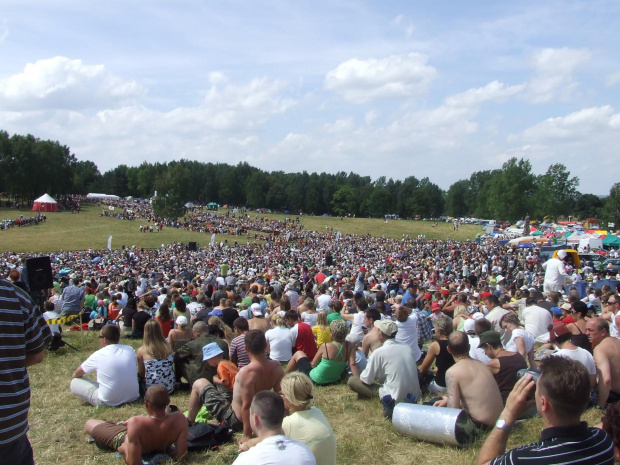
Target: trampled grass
[66, 231]
[57, 420]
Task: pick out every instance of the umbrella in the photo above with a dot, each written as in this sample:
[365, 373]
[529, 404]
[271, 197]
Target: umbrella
[65, 271]
[537, 233]
[96, 259]
[525, 245]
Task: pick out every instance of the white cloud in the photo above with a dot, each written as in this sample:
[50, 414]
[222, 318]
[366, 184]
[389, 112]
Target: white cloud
[554, 74]
[493, 91]
[371, 116]
[613, 79]
[583, 124]
[217, 77]
[360, 81]
[341, 125]
[60, 82]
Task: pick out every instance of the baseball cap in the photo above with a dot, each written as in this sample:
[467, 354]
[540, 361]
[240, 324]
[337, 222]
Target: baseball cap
[559, 329]
[469, 325]
[181, 320]
[562, 254]
[211, 350]
[489, 337]
[256, 311]
[387, 327]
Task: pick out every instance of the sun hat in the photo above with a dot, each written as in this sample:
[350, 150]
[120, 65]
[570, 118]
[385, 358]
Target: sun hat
[211, 350]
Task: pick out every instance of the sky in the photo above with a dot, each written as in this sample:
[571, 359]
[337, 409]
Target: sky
[436, 89]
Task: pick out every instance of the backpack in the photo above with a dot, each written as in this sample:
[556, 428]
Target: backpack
[203, 436]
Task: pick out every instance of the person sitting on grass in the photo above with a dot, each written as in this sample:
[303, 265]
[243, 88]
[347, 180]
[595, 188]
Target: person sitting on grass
[226, 370]
[265, 416]
[142, 435]
[561, 395]
[155, 359]
[321, 331]
[261, 374]
[470, 385]
[330, 359]
[117, 375]
[304, 423]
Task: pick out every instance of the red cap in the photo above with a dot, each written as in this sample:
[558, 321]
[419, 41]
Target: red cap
[445, 291]
[427, 296]
[363, 269]
[484, 295]
[435, 307]
[559, 329]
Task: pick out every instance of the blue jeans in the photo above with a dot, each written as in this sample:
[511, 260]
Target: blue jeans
[17, 452]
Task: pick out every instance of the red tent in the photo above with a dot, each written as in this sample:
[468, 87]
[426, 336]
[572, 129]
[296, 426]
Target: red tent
[45, 204]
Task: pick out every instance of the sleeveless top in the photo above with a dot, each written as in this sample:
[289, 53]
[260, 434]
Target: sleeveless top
[507, 375]
[581, 340]
[328, 371]
[160, 372]
[443, 362]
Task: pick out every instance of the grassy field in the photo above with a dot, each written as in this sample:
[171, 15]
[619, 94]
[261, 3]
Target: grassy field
[57, 419]
[66, 231]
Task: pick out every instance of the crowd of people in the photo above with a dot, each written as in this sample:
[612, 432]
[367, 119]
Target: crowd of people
[22, 221]
[412, 320]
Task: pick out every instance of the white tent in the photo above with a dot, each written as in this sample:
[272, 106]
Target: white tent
[102, 196]
[45, 204]
[592, 242]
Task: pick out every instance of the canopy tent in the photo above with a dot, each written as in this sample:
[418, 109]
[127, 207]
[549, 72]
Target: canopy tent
[45, 204]
[611, 241]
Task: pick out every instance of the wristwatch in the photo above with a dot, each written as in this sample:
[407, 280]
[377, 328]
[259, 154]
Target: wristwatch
[501, 424]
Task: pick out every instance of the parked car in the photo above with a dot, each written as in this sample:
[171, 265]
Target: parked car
[612, 264]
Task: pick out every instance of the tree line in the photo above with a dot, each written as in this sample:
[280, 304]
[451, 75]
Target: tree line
[30, 166]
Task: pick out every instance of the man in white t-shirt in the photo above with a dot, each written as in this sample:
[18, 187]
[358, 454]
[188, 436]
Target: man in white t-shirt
[560, 336]
[536, 319]
[266, 416]
[117, 374]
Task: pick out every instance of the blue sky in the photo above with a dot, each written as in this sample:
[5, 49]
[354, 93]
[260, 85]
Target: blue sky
[429, 89]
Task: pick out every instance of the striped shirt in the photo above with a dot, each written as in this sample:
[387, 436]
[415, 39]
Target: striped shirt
[23, 331]
[570, 445]
[238, 351]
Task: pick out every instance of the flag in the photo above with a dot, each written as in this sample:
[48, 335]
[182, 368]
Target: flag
[110, 243]
[212, 243]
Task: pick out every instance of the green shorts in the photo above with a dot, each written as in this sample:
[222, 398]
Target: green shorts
[219, 406]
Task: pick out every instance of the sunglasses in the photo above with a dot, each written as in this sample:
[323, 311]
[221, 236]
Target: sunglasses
[101, 337]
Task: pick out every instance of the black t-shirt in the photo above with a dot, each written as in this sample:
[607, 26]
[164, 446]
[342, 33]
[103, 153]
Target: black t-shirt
[229, 316]
[203, 315]
[139, 320]
[128, 314]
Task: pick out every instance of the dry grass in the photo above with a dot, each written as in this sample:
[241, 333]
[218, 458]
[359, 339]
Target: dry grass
[57, 419]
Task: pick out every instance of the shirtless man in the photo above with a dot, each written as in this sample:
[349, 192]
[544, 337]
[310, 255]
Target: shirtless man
[159, 432]
[470, 384]
[371, 340]
[260, 375]
[258, 321]
[607, 359]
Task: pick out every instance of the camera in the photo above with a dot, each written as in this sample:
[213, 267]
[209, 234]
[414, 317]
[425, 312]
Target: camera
[535, 374]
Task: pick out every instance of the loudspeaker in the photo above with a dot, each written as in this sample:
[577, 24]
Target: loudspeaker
[192, 246]
[39, 273]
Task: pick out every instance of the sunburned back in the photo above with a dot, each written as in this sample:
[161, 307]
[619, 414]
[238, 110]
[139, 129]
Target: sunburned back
[259, 323]
[156, 435]
[479, 394]
[610, 347]
[263, 375]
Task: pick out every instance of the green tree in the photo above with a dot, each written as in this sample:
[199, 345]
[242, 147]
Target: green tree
[456, 204]
[611, 207]
[556, 192]
[343, 201]
[86, 177]
[588, 206]
[509, 196]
